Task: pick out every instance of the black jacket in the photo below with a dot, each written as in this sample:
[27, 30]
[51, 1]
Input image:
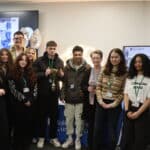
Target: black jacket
[40, 66]
[17, 90]
[72, 88]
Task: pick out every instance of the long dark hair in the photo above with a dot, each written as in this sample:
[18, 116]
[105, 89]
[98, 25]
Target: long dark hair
[122, 69]
[17, 72]
[9, 64]
[145, 66]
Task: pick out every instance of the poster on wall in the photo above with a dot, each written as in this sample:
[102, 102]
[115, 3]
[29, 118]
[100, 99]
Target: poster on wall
[131, 51]
[10, 22]
[7, 27]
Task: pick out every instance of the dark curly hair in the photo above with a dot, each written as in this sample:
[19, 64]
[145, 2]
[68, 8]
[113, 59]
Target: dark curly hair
[122, 69]
[17, 72]
[145, 66]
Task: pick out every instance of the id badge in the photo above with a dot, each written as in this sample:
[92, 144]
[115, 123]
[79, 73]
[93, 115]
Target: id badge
[135, 104]
[71, 86]
[26, 90]
[109, 94]
[50, 80]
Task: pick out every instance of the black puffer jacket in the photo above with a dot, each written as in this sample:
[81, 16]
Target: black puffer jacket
[40, 66]
[72, 87]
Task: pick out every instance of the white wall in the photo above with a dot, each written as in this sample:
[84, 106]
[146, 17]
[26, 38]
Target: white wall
[102, 25]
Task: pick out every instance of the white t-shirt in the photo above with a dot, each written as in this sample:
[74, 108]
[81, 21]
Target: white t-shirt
[138, 88]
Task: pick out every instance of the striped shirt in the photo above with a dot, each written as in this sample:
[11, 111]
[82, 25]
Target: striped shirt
[110, 87]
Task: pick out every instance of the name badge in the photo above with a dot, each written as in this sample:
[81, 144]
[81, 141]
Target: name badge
[135, 104]
[109, 94]
[26, 90]
[71, 86]
[50, 80]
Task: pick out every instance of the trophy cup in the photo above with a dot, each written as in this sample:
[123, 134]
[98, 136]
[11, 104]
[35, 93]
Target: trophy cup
[54, 73]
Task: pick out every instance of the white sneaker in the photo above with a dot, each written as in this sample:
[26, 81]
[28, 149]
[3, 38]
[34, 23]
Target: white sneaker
[40, 143]
[55, 142]
[77, 145]
[68, 143]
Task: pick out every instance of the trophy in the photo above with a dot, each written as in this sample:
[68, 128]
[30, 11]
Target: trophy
[54, 73]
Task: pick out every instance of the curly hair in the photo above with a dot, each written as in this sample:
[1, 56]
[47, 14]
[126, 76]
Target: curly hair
[122, 69]
[145, 66]
[17, 72]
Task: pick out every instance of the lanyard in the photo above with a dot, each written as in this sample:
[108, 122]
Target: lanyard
[50, 63]
[25, 82]
[136, 89]
[110, 82]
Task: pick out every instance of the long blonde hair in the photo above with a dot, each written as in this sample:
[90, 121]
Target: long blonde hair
[35, 54]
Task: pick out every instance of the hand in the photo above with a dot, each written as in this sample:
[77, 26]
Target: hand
[134, 115]
[107, 106]
[2, 92]
[61, 72]
[28, 104]
[104, 105]
[129, 114]
[48, 72]
[91, 89]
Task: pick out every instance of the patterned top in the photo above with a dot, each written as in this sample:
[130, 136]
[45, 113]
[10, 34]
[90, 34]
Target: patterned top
[110, 87]
[14, 54]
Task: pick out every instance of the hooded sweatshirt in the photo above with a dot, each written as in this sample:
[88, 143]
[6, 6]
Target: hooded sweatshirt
[72, 87]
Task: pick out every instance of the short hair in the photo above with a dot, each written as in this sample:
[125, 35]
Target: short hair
[19, 33]
[77, 48]
[99, 52]
[51, 44]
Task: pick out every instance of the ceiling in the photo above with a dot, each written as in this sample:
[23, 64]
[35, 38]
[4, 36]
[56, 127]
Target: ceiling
[46, 1]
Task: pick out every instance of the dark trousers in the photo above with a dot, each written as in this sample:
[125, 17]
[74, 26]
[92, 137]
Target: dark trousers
[4, 131]
[91, 121]
[23, 126]
[106, 120]
[135, 132]
[47, 108]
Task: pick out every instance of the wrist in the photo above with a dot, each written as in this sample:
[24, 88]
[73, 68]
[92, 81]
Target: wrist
[100, 101]
[126, 111]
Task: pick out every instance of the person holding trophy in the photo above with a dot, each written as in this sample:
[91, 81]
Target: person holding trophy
[49, 70]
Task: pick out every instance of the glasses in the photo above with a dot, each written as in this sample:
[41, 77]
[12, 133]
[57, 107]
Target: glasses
[18, 38]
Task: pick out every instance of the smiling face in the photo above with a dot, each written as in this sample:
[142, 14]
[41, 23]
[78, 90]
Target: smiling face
[23, 61]
[77, 57]
[31, 54]
[18, 40]
[4, 57]
[115, 59]
[96, 59]
[138, 64]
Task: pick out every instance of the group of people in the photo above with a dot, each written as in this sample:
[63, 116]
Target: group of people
[30, 89]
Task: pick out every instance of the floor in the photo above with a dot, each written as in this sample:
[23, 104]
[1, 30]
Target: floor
[50, 147]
